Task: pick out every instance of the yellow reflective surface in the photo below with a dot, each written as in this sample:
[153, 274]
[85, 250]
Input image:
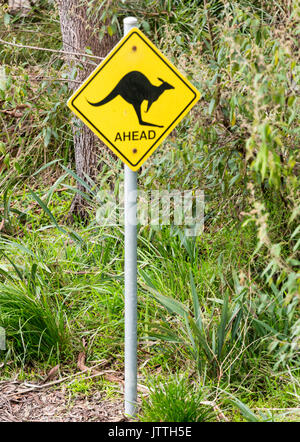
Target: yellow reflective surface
[134, 99]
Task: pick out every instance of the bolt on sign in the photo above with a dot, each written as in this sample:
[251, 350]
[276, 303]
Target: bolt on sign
[134, 99]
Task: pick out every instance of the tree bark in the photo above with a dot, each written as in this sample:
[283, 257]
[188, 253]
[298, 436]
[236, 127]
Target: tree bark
[79, 31]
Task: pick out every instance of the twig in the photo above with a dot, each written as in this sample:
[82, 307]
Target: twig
[108, 374]
[11, 112]
[211, 35]
[111, 378]
[37, 48]
[33, 387]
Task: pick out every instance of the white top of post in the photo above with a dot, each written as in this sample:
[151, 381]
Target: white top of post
[129, 23]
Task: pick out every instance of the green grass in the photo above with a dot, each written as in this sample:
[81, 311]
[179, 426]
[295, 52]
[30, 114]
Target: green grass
[80, 295]
[35, 329]
[175, 400]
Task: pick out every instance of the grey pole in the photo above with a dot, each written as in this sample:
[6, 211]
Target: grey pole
[130, 271]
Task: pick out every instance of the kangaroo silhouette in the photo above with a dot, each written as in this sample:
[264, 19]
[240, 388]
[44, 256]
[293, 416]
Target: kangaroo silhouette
[134, 88]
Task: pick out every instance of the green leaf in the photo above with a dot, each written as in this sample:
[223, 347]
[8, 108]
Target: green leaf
[179, 39]
[83, 194]
[145, 26]
[73, 235]
[189, 333]
[46, 210]
[45, 166]
[202, 340]
[14, 266]
[147, 279]
[55, 185]
[14, 245]
[110, 31]
[262, 325]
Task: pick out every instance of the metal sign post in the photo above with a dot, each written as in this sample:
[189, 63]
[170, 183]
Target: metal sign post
[130, 272]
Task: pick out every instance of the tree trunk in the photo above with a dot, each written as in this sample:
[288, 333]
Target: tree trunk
[79, 31]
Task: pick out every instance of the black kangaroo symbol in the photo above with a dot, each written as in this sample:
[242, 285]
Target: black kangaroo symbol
[134, 88]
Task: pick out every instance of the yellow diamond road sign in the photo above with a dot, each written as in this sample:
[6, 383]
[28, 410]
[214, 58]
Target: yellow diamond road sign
[134, 99]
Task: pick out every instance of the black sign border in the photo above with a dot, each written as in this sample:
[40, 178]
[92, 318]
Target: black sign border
[101, 67]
